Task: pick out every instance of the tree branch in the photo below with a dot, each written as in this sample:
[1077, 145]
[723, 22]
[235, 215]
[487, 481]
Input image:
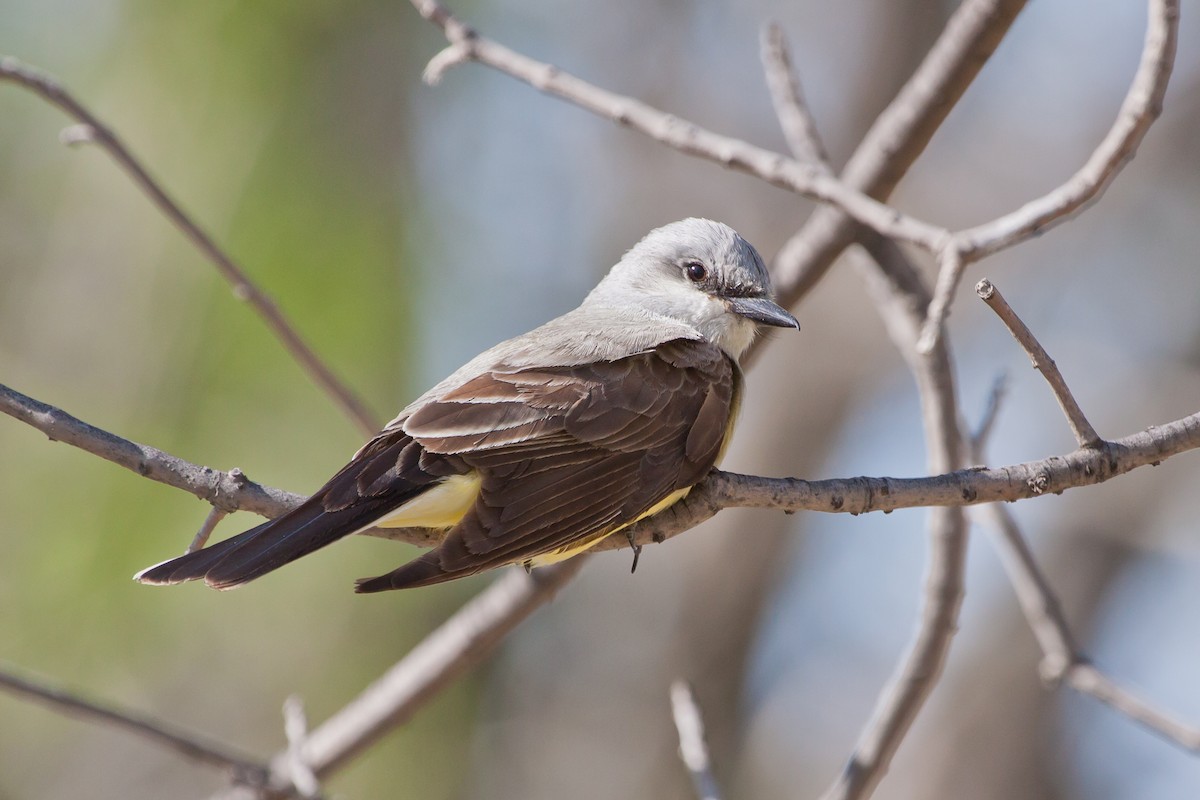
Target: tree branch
[1085, 434]
[897, 138]
[91, 129]
[795, 117]
[189, 745]
[1141, 107]
[693, 748]
[1062, 660]
[681, 134]
[457, 645]
[1053, 475]
[228, 491]
[899, 294]
[1139, 110]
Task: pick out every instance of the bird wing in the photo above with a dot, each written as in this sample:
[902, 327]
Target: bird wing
[568, 454]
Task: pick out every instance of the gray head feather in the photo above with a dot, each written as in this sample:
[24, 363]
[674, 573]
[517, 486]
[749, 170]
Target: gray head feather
[737, 267]
[700, 273]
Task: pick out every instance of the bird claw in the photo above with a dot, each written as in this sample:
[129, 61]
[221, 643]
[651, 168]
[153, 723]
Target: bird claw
[637, 552]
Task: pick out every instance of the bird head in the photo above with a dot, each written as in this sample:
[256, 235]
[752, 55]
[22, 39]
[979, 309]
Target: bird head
[701, 273]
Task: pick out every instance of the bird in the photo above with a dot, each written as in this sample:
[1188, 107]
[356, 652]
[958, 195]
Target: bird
[550, 442]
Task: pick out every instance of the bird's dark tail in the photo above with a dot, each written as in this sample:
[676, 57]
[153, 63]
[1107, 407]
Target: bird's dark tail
[386, 473]
[260, 550]
[424, 570]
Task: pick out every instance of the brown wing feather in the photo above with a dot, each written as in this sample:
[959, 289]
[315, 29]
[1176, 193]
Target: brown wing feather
[609, 440]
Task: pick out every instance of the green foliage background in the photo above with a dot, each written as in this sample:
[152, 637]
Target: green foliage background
[283, 128]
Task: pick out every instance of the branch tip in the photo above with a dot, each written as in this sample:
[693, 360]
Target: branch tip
[693, 749]
[1084, 433]
[75, 135]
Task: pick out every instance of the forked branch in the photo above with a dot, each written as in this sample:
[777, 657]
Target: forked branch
[1141, 107]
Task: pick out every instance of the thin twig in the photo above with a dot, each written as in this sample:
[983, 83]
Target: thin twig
[215, 515]
[51, 90]
[795, 117]
[1141, 107]
[1085, 434]
[1085, 678]
[1139, 110]
[952, 264]
[228, 491]
[192, 746]
[295, 729]
[1062, 660]
[463, 641]
[686, 136]
[693, 749]
[898, 137]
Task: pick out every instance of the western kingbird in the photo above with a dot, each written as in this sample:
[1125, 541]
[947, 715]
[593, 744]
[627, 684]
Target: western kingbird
[550, 442]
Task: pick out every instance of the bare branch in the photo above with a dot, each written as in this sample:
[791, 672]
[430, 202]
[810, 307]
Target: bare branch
[228, 491]
[1062, 660]
[693, 749]
[681, 134]
[898, 137]
[964, 487]
[295, 728]
[93, 130]
[1085, 678]
[951, 267]
[1141, 107]
[1054, 475]
[900, 294]
[189, 745]
[1085, 434]
[795, 118]
[463, 641]
[215, 515]
[460, 643]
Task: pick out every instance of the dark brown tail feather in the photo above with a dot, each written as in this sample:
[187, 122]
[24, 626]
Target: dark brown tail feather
[195, 564]
[385, 474]
[425, 570]
[260, 550]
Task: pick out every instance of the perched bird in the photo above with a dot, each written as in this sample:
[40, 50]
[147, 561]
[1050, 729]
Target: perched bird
[548, 443]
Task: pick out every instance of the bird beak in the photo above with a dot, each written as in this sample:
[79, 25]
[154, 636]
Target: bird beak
[760, 309]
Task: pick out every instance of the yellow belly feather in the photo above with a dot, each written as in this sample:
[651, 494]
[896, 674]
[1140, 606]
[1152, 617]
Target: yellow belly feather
[440, 507]
[555, 556]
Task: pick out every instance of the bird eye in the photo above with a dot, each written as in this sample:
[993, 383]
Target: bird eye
[695, 271]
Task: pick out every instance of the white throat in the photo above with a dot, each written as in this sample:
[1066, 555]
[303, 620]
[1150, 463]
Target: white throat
[730, 332]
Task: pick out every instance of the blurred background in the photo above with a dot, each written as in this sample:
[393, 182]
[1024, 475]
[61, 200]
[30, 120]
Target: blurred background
[406, 228]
